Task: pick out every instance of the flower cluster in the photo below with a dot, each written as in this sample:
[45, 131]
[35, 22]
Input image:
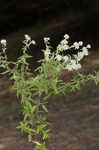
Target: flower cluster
[69, 56]
[28, 39]
[73, 65]
[74, 53]
[3, 56]
[63, 44]
[47, 52]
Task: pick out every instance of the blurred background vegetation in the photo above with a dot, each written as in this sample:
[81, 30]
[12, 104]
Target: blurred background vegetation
[16, 14]
[7, 15]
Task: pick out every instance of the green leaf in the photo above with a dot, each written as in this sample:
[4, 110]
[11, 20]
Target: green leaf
[30, 138]
[34, 108]
[44, 108]
[5, 72]
[37, 143]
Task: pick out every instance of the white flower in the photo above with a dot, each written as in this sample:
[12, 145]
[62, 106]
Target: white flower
[27, 37]
[73, 62]
[58, 57]
[80, 56]
[66, 36]
[59, 48]
[65, 58]
[76, 45]
[85, 51]
[80, 43]
[73, 65]
[63, 42]
[77, 66]
[88, 46]
[33, 42]
[69, 67]
[65, 47]
[3, 42]
[46, 39]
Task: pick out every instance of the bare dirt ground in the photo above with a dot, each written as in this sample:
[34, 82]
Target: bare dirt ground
[74, 118]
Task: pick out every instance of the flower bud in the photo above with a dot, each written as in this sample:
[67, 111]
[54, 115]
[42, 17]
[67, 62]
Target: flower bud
[3, 42]
[27, 37]
[88, 46]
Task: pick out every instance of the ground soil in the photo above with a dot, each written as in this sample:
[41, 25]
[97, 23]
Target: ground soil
[74, 118]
